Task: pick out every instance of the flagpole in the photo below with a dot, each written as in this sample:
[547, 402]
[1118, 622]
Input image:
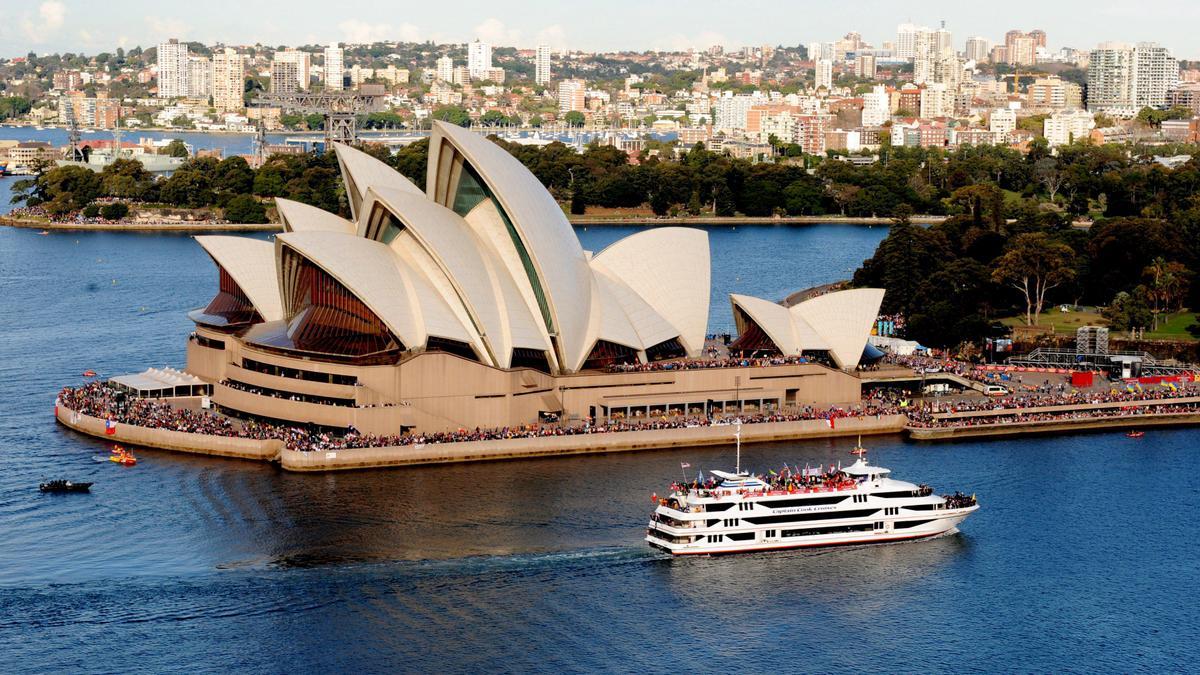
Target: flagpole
[738, 436]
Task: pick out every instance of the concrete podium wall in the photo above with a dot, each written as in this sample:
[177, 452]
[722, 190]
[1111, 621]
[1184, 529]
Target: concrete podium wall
[549, 446]
[201, 444]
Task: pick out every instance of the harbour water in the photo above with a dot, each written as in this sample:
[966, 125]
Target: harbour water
[1082, 557]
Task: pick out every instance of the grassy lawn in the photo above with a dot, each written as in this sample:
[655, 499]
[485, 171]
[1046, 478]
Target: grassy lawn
[1061, 322]
[1175, 328]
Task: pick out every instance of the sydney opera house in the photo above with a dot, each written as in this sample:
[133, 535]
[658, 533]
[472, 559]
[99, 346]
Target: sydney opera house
[471, 303]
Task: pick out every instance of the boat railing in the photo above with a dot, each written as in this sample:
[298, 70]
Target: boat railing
[720, 493]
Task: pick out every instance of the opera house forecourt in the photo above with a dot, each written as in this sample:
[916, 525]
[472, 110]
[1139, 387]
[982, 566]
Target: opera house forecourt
[470, 304]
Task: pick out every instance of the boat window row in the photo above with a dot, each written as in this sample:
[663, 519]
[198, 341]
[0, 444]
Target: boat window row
[905, 524]
[670, 539]
[802, 517]
[808, 501]
[836, 529]
[298, 374]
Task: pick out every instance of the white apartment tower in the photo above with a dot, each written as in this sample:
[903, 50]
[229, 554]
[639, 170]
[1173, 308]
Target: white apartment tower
[824, 74]
[445, 69]
[199, 77]
[1125, 78]
[978, 49]
[541, 64]
[228, 80]
[876, 107]
[479, 59]
[302, 61]
[570, 96]
[172, 69]
[906, 40]
[335, 68]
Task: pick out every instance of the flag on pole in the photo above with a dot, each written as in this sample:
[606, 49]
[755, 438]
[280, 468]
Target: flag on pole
[110, 427]
[829, 421]
[684, 465]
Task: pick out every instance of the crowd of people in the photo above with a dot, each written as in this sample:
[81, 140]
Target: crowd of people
[702, 364]
[104, 401]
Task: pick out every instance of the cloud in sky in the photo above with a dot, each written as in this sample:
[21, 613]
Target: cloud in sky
[681, 42]
[494, 31]
[357, 31]
[166, 27]
[50, 17]
[555, 36]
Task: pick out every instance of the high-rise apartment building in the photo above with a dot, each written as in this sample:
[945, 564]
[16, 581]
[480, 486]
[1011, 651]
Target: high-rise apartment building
[445, 69]
[1066, 127]
[571, 96]
[303, 63]
[335, 68]
[283, 77]
[479, 59]
[228, 80]
[541, 64]
[978, 49]
[906, 40]
[876, 107]
[864, 66]
[199, 77]
[1125, 78]
[824, 74]
[172, 69]
[1020, 48]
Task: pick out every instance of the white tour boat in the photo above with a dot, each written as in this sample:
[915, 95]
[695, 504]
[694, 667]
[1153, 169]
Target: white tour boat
[797, 508]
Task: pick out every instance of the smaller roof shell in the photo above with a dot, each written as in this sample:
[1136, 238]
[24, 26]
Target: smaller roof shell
[251, 263]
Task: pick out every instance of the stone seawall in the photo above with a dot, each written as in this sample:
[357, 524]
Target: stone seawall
[164, 226]
[1053, 426]
[164, 439]
[550, 446]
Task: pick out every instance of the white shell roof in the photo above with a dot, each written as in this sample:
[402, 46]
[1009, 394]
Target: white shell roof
[361, 171]
[251, 263]
[669, 269]
[552, 245]
[477, 276]
[844, 319]
[773, 318]
[398, 295]
[300, 217]
[838, 322]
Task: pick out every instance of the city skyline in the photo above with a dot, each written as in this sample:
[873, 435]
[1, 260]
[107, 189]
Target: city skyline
[73, 26]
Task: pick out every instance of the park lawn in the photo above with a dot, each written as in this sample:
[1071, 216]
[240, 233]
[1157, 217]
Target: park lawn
[1061, 322]
[1175, 327]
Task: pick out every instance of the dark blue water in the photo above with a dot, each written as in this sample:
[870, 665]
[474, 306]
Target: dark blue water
[1082, 558]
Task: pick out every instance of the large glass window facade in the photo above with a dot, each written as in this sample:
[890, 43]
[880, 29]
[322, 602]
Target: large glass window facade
[329, 319]
[229, 307]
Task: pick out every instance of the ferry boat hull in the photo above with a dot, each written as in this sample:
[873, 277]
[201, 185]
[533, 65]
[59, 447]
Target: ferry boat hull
[942, 525]
[857, 505]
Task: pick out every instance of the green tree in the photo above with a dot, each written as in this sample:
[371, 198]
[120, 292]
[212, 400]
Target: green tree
[114, 211]
[574, 118]
[175, 148]
[1034, 264]
[233, 176]
[452, 114]
[245, 208]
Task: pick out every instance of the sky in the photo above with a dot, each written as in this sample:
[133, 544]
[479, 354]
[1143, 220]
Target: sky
[92, 26]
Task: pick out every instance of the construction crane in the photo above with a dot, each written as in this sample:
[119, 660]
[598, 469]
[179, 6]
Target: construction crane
[340, 108]
[1015, 76]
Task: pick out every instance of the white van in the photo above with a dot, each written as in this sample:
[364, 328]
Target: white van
[994, 390]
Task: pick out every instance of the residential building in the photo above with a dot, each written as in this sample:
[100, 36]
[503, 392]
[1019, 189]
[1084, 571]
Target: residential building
[824, 77]
[1020, 49]
[1054, 93]
[284, 79]
[876, 107]
[1182, 131]
[864, 66]
[303, 62]
[479, 59]
[1186, 95]
[228, 80]
[1124, 78]
[541, 64]
[730, 111]
[172, 57]
[978, 49]
[334, 68]
[199, 77]
[445, 69]
[571, 95]
[937, 100]
[906, 40]
[67, 80]
[1002, 121]
[1063, 128]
